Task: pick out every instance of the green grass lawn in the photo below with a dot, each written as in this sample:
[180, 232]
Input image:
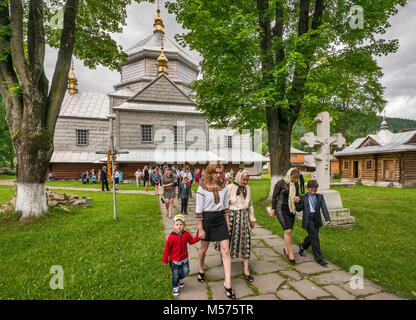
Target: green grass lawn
[101, 258]
[382, 240]
[7, 176]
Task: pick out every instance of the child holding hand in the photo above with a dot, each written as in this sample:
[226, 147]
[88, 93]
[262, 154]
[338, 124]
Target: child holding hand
[176, 252]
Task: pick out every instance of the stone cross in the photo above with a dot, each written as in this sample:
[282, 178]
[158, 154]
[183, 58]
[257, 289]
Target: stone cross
[323, 141]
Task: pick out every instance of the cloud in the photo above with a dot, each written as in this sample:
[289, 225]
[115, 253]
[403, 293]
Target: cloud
[399, 68]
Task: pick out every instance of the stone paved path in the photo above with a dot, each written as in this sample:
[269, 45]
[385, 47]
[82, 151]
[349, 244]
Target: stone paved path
[274, 277]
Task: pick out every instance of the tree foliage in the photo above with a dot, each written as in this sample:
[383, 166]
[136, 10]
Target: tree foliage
[268, 63]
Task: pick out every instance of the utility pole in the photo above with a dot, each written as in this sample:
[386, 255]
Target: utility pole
[111, 118]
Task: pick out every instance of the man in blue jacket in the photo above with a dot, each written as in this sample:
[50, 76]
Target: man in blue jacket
[312, 204]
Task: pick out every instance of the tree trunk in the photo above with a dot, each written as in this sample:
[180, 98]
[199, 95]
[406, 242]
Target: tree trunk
[279, 137]
[34, 149]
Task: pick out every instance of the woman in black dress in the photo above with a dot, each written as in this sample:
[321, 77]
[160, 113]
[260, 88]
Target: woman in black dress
[146, 177]
[285, 195]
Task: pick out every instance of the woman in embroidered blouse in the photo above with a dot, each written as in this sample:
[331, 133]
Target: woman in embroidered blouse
[213, 221]
[242, 220]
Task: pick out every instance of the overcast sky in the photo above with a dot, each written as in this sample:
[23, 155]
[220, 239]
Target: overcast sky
[399, 68]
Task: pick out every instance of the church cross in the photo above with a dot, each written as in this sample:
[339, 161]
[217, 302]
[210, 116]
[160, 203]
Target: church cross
[323, 141]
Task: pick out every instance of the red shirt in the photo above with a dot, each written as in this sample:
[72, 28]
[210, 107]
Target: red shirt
[177, 246]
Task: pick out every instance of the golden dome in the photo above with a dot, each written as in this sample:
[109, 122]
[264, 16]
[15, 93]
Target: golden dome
[162, 64]
[72, 83]
[158, 25]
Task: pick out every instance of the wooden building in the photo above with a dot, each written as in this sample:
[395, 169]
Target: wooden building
[382, 159]
[156, 121]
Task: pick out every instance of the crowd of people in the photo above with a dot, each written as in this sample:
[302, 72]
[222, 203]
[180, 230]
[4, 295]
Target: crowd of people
[225, 216]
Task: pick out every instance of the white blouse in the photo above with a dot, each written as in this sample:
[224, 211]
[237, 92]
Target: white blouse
[205, 200]
[239, 203]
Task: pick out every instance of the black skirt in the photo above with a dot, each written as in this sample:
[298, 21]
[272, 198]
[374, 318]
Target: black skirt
[215, 226]
[286, 219]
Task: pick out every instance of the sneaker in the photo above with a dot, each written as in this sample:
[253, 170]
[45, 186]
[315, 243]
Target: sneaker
[175, 291]
[181, 283]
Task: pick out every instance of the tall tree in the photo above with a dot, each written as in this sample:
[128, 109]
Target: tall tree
[33, 104]
[6, 147]
[261, 58]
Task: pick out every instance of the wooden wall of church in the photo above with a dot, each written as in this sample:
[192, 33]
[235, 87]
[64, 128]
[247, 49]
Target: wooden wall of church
[133, 70]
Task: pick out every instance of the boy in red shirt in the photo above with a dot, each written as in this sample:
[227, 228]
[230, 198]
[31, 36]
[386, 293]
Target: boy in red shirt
[176, 252]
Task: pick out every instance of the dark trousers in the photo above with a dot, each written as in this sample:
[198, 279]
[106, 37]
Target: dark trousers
[178, 272]
[104, 182]
[184, 206]
[313, 240]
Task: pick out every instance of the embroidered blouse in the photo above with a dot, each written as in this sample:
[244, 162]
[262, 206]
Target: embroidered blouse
[237, 203]
[211, 199]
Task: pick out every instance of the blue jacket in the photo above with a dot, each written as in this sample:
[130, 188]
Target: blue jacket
[320, 207]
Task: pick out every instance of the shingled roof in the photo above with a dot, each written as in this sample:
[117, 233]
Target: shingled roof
[383, 141]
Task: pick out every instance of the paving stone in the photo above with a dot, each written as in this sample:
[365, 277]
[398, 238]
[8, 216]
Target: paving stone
[212, 261]
[193, 290]
[261, 232]
[266, 252]
[268, 282]
[237, 268]
[192, 251]
[193, 266]
[384, 296]
[274, 242]
[286, 294]
[264, 237]
[313, 267]
[292, 274]
[368, 288]
[309, 289]
[333, 277]
[267, 267]
[261, 297]
[257, 244]
[216, 273]
[239, 286]
[307, 257]
[339, 293]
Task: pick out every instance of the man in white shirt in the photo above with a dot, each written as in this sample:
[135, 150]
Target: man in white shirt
[138, 175]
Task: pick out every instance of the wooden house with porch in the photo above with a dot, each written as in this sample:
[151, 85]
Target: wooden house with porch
[381, 159]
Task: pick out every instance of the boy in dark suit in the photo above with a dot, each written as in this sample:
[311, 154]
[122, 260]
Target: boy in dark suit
[184, 193]
[312, 204]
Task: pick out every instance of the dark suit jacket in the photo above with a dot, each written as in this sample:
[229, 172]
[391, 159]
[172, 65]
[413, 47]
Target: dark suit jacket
[185, 191]
[320, 207]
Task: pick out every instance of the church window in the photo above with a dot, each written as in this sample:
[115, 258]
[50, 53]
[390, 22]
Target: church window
[146, 133]
[179, 134]
[82, 137]
[369, 164]
[229, 142]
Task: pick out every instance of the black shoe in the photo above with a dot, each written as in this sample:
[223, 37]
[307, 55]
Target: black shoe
[292, 262]
[285, 253]
[323, 263]
[301, 250]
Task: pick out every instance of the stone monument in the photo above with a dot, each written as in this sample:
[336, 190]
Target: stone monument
[340, 216]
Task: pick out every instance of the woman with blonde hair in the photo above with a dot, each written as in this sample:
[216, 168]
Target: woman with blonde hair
[285, 195]
[213, 221]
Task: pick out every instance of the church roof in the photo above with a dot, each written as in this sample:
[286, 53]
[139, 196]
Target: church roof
[386, 142]
[66, 156]
[85, 105]
[153, 42]
[162, 90]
